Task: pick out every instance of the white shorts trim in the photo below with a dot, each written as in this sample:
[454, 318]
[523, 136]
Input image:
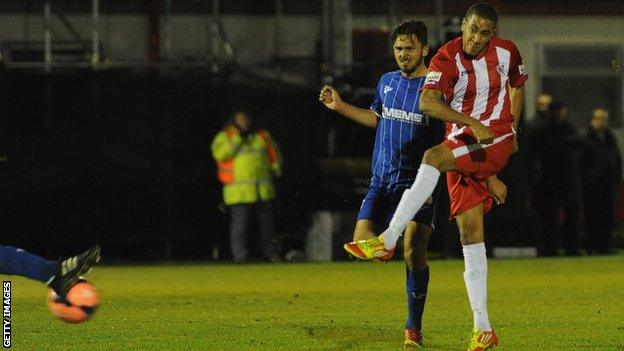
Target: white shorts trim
[464, 150]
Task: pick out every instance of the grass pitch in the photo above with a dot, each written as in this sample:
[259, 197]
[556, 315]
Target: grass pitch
[543, 304]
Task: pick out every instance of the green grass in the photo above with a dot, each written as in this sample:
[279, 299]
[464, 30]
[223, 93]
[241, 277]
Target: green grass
[545, 304]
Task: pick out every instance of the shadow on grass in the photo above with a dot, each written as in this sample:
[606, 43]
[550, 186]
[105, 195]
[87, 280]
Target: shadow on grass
[362, 337]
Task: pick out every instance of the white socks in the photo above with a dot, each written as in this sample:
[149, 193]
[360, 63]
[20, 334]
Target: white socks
[475, 277]
[411, 201]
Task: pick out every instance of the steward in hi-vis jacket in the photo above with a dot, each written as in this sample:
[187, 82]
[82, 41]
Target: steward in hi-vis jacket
[247, 161]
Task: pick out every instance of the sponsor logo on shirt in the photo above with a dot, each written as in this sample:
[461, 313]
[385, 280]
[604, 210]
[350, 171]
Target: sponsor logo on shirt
[387, 88]
[501, 69]
[522, 70]
[464, 72]
[402, 115]
[433, 77]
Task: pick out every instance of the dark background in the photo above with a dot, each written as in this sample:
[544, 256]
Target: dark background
[122, 158]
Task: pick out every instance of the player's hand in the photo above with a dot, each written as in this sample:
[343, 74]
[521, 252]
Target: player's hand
[497, 189]
[330, 97]
[482, 133]
[515, 146]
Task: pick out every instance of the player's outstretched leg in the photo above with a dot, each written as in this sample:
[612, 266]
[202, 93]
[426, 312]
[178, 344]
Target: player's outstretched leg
[15, 261]
[369, 249]
[70, 269]
[435, 160]
[383, 246]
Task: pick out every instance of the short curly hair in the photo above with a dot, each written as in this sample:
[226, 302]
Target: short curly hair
[409, 28]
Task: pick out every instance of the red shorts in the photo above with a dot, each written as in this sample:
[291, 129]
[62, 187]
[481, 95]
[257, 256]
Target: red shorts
[475, 163]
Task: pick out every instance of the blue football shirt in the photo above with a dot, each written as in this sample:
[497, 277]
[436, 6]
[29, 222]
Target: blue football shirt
[403, 132]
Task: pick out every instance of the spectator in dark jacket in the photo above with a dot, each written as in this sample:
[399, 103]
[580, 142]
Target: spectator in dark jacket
[602, 171]
[555, 149]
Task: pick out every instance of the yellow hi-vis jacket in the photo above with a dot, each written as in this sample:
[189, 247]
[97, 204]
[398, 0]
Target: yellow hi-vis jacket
[246, 166]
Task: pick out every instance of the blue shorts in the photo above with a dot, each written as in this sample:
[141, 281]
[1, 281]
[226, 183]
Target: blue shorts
[381, 202]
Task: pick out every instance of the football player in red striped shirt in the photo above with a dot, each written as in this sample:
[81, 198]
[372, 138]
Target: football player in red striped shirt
[475, 84]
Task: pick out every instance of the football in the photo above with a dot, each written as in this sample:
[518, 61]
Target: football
[79, 305]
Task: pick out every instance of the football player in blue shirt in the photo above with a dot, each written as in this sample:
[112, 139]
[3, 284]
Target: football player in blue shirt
[403, 134]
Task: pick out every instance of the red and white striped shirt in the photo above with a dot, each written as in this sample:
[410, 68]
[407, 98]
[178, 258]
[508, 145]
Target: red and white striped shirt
[477, 86]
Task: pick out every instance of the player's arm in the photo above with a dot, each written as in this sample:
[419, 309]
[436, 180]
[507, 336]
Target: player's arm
[332, 100]
[516, 97]
[432, 105]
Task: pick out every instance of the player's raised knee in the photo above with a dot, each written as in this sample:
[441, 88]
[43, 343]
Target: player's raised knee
[439, 157]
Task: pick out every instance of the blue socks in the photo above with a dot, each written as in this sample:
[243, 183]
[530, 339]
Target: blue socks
[416, 284]
[14, 261]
